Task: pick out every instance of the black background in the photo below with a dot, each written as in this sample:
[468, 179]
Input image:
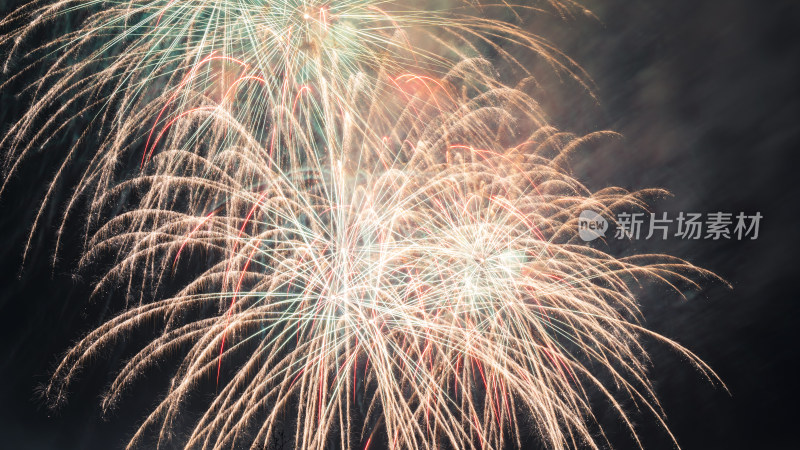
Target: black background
[706, 94]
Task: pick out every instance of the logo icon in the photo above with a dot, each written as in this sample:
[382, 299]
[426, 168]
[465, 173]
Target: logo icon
[591, 226]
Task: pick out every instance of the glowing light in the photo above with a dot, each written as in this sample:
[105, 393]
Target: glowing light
[363, 252]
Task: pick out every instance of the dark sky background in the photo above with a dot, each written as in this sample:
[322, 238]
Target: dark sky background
[707, 96]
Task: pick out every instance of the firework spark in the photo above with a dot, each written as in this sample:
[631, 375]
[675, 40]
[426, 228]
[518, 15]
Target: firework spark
[375, 252]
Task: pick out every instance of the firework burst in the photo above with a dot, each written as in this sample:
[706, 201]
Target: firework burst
[375, 253]
[420, 280]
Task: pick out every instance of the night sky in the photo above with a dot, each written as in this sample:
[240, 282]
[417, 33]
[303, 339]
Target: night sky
[707, 97]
